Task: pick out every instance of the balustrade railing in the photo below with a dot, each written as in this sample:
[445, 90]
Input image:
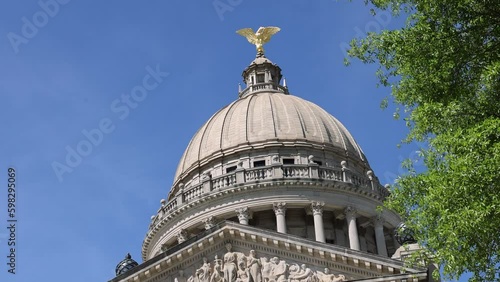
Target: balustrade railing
[258, 173]
[224, 181]
[263, 86]
[330, 174]
[272, 172]
[295, 171]
[193, 193]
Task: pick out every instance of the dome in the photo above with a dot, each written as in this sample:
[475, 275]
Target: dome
[125, 265]
[266, 119]
[266, 154]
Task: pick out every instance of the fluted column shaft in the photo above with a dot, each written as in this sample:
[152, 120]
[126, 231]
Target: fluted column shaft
[280, 210]
[350, 213]
[379, 236]
[319, 230]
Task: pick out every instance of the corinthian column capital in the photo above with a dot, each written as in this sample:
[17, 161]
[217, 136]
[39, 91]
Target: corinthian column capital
[317, 208]
[350, 212]
[279, 208]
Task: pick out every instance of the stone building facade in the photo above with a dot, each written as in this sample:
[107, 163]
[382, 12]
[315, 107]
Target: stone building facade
[272, 188]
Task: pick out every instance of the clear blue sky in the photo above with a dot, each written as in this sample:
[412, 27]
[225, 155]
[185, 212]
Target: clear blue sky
[64, 69]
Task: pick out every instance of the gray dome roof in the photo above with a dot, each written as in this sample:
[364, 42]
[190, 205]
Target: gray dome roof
[266, 119]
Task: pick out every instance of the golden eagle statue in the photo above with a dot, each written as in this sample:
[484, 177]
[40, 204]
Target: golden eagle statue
[259, 38]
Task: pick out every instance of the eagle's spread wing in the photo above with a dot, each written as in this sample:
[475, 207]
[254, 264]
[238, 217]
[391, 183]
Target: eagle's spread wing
[267, 32]
[248, 33]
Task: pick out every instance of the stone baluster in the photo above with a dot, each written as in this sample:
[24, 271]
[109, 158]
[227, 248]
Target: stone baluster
[346, 177]
[370, 176]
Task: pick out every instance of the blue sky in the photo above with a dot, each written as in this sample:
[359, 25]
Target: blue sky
[65, 66]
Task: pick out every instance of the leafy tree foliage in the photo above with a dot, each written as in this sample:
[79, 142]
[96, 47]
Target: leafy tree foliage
[443, 67]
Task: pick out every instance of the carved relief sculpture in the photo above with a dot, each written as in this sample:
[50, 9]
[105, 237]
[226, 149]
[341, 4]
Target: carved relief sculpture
[230, 267]
[237, 267]
[217, 275]
[254, 266]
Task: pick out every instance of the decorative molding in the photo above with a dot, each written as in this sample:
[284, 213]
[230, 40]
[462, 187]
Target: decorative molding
[279, 208]
[209, 222]
[317, 208]
[182, 236]
[240, 267]
[243, 214]
[350, 212]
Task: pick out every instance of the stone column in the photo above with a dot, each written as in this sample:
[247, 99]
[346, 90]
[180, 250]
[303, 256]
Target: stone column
[378, 222]
[319, 230]
[243, 215]
[182, 236]
[280, 210]
[209, 222]
[350, 213]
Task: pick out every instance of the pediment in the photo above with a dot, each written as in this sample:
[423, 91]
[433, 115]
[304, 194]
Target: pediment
[280, 257]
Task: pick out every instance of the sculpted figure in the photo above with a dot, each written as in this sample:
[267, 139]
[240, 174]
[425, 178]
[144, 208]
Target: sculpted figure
[278, 270]
[328, 277]
[302, 274]
[243, 275]
[203, 273]
[325, 276]
[254, 267]
[181, 277]
[266, 269]
[230, 267]
[217, 275]
[338, 278]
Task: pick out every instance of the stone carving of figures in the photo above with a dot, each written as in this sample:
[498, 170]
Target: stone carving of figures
[243, 275]
[266, 269]
[328, 277]
[338, 278]
[278, 270]
[181, 277]
[302, 274]
[217, 275]
[325, 276]
[230, 267]
[254, 267]
[203, 273]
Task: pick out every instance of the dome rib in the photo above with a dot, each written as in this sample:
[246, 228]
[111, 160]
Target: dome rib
[224, 123]
[246, 116]
[259, 118]
[315, 118]
[273, 116]
[299, 116]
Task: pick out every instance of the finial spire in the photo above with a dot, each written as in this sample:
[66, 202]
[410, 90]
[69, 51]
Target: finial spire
[259, 38]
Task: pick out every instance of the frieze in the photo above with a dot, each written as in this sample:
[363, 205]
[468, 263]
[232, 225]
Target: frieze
[239, 267]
